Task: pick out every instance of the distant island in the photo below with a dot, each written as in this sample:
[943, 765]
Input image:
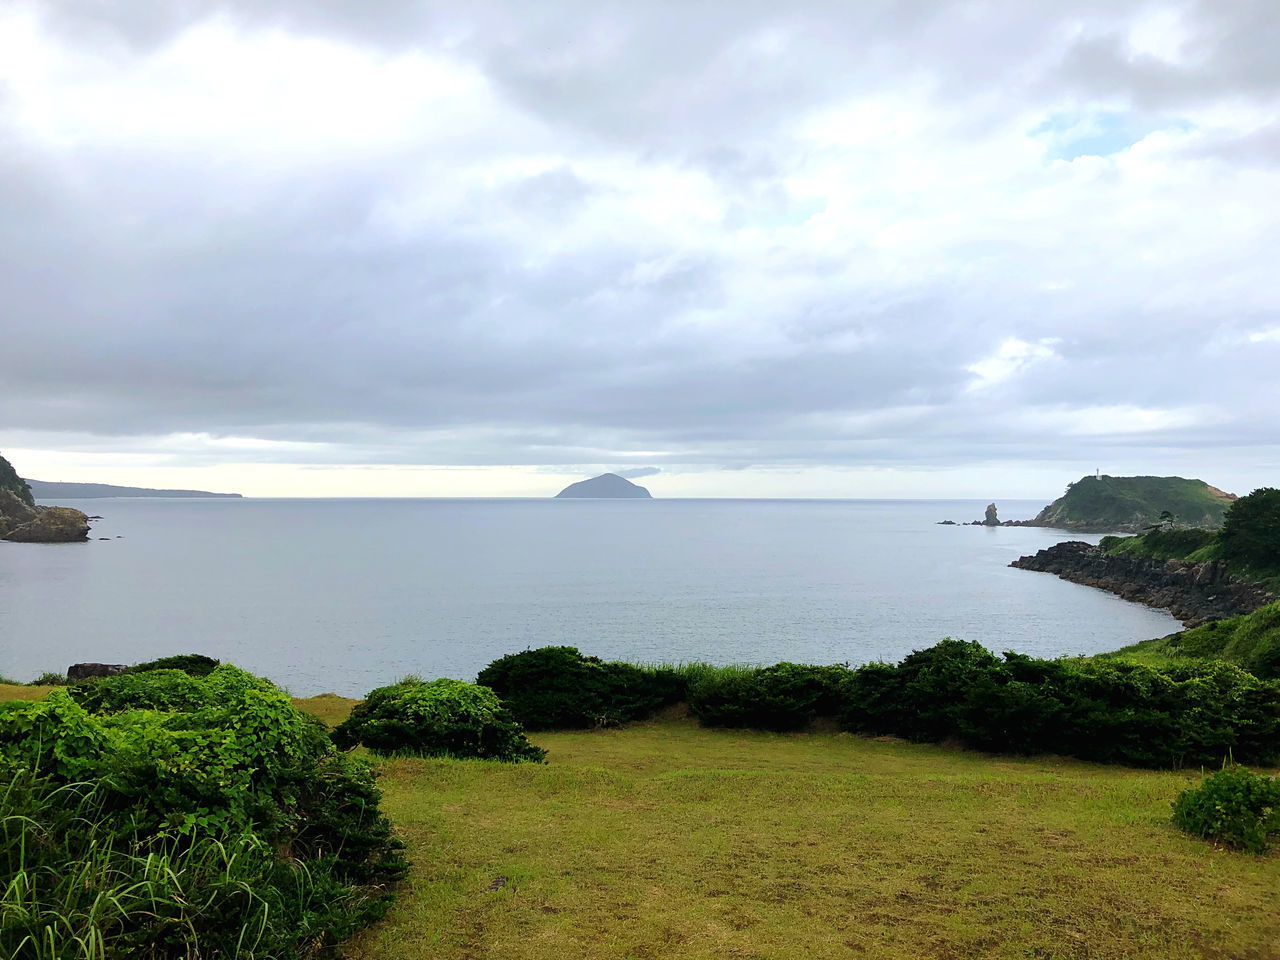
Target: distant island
[53, 490]
[1101, 504]
[607, 486]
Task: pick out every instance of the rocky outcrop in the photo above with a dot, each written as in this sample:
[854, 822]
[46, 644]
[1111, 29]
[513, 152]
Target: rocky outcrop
[991, 519]
[47, 525]
[86, 671]
[1192, 592]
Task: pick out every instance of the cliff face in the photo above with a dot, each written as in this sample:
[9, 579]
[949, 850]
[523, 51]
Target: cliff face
[1192, 592]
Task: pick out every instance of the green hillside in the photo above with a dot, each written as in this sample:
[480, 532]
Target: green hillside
[9, 480]
[1131, 503]
[1251, 641]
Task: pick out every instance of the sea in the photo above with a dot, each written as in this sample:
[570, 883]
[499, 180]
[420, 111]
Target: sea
[344, 595]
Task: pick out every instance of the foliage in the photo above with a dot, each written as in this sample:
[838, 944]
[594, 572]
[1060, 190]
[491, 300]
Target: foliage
[1250, 641]
[9, 480]
[1107, 711]
[1160, 544]
[49, 679]
[785, 696]
[1251, 530]
[1234, 805]
[558, 687]
[442, 718]
[262, 829]
[193, 664]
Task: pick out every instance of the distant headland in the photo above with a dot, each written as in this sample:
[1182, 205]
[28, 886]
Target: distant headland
[53, 490]
[607, 486]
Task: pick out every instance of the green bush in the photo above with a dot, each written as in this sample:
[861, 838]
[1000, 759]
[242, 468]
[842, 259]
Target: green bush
[1107, 711]
[558, 687]
[1251, 530]
[266, 834]
[442, 718]
[49, 679]
[193, 664]
[785, 696]
[1235, 806]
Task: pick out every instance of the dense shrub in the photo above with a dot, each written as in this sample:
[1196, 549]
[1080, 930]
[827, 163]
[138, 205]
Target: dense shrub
[266, 833]
[558, 687]
[49, 679]
[193, 664]
[443, 718]
[1108, 711]
[1251, 529]
[785, 696]
[1235, 806]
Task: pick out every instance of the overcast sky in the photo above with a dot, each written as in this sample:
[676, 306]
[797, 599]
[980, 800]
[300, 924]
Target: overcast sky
[916, 248]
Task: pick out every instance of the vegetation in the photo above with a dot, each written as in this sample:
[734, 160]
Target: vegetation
[1235, 806]
[1250, 536]
[160, 815]
[1251, 641]
[443, 718]
[9, 480]
[785, 696]
[669, 840]
[49, 679]
[1111, 711]
[193, 664]
[558, 687]
[1114, 503]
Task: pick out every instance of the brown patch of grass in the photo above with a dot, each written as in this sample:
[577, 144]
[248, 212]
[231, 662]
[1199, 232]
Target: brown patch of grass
[17, 691]
[329, 707]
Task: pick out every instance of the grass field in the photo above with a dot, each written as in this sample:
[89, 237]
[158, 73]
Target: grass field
[664, 840]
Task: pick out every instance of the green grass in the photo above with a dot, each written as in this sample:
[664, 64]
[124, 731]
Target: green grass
[1251, 641]
[667, 840]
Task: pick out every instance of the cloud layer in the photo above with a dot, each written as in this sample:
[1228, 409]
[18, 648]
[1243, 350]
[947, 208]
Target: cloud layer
[930, 236]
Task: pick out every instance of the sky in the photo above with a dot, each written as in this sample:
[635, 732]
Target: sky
[918, 248]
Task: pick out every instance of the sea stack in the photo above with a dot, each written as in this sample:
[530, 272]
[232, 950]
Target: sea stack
[607, 486]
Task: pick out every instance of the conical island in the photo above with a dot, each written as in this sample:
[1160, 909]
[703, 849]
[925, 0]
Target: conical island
[607, 486]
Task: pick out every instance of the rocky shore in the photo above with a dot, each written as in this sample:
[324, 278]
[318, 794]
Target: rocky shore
[24, 523]
[1192, 592]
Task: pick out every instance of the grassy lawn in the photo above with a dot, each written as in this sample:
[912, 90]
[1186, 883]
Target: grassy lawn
[666, 840]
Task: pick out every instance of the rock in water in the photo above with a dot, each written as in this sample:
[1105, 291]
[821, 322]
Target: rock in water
[51, 525]
[991, 519]
[607, 486]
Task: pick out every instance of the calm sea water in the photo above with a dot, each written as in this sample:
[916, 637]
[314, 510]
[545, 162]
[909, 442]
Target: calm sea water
[345, 595]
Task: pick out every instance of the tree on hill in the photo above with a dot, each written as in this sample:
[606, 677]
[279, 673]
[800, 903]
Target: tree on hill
[9, 480]
[1251, 529]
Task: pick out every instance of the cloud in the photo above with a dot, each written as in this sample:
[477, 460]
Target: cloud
[683, 236]
[635, 473]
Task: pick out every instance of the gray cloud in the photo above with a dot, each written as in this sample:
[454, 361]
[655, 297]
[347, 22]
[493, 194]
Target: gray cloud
[658, 235]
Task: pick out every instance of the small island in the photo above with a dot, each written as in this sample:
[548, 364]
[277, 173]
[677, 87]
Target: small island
[607, 486]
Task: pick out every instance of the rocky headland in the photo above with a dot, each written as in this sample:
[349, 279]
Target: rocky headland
[1192, 592]
[23, 521]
